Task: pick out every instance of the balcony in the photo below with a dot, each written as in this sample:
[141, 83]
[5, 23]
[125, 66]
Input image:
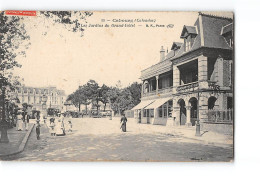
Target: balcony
[157, 69]
[165, 90]
[187, 87]
[151, 93]
[209, 85]
[161, 92]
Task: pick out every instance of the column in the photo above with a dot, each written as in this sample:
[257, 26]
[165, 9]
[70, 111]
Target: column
[176, 116]
[220, 62]
[157, 83]
[176, 78]
[203, 72]
[203, 106]
[188, 113]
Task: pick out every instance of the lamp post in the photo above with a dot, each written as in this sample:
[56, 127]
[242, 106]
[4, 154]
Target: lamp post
[198, 119]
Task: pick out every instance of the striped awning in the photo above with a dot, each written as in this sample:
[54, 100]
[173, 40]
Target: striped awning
[143, 104]
[157, 103]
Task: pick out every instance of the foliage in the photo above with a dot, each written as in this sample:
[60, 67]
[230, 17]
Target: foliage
[14, 39]
[120, 99]
[73, 21]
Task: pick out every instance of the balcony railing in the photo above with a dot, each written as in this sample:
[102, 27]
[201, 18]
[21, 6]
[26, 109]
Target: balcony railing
[186, 87]
[160, 91]
[151, 93]
[165, 90]
[219, 116]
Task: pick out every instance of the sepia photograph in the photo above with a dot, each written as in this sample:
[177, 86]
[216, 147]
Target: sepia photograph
[117, 86]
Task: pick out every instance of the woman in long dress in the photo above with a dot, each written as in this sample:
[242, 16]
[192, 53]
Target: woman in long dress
[60, 128]
[19, 123]
[123, 123]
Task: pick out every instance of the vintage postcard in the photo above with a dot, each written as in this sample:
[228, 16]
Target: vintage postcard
[117, 86]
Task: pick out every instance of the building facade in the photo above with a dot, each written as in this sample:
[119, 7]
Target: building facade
[194, 81]
[34, 96]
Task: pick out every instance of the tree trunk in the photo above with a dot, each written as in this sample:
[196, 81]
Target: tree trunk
[105, 104]
[79, 107]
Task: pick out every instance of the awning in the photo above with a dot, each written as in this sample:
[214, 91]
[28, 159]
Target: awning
[142, 104]
[157, 103]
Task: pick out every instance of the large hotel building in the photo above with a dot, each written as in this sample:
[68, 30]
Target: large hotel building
[34, 96]
[194, 80]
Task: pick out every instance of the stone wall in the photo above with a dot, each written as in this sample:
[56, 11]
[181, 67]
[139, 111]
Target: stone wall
[160, 121]
[221, 128]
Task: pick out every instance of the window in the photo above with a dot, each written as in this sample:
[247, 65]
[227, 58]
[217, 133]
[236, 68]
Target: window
[151, 113]
[165, 110]
[160, 110]
[170, 108]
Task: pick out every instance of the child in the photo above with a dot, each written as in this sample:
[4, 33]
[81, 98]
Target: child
[70, 126]
[38, 126]
[52, 128]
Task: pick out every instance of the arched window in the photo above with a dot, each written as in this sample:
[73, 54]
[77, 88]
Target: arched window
[211, 102]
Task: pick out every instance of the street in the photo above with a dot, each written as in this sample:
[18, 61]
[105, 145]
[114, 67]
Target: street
[102, 140]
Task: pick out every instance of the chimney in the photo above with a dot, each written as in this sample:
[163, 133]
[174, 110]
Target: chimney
[162, 54]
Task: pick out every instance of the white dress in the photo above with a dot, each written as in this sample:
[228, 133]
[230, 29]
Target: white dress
[19, 125]
[60, 130]
[52, 127]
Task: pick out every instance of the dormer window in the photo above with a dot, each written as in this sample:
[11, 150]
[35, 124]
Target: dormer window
[175, 47]
[227, 33]
[189, 34]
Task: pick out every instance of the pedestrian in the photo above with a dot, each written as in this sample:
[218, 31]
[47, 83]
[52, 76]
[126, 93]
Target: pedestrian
[52, 120]
[70, 126]
[60, 128]
[24, 119]
[52, 129]
[123, 123]
[38, 129]
[27, 117]
[19, 123]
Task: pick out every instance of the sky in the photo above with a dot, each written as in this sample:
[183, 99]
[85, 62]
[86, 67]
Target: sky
[104, 54]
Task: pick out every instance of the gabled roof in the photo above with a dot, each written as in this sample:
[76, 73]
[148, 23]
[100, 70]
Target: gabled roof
[188, 30]
[176, 45]
[209, 30]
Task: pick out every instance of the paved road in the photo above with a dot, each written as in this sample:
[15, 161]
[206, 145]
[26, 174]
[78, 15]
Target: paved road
[102, 140]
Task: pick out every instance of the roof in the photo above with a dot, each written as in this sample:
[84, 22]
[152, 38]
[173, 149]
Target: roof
[176, 45]
[226, 29]
[189, 30]
[209, 28]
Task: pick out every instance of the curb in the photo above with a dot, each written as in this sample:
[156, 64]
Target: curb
[218, 144]
[22, 145]
[205, 142]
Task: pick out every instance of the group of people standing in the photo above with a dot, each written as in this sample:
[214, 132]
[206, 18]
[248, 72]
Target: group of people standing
[22, 121]
[57, 126]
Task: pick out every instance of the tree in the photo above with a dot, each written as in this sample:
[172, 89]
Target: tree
[91, 93]
[104, 98]
[76, 98]
[135, 89]
[14, 40]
